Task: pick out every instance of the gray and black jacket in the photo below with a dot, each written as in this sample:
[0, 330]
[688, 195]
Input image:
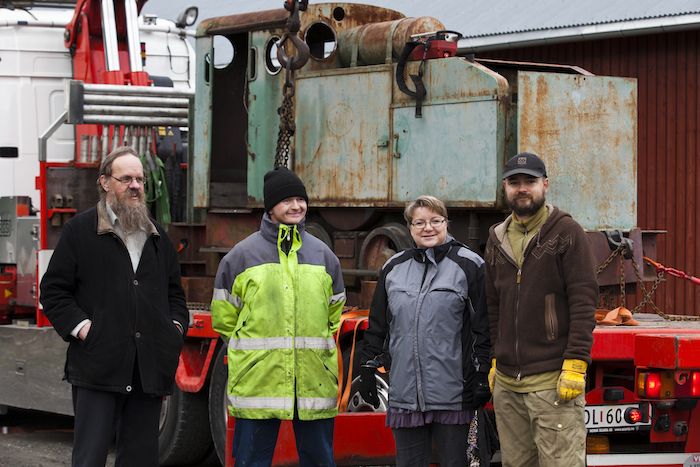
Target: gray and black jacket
[428, 325]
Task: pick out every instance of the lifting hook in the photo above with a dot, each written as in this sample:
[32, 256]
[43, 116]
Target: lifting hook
[297, 61]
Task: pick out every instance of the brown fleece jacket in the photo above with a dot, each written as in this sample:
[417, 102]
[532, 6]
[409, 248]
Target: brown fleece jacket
[548, 314]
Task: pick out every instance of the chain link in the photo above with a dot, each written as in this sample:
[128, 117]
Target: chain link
[609, 259]
[287, 125]
[472, 442]
[622, 280]
[648, 294]
[289, 63]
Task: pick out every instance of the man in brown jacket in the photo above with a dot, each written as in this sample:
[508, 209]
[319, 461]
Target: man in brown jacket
[541, 294]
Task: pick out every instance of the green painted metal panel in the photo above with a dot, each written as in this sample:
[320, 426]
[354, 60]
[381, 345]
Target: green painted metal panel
[263, 99]
[200, 153]
[342, 137]
[454, 79]
[585, 128]
[452, 153]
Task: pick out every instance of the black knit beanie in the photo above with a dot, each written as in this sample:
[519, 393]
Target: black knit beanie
[280, 184]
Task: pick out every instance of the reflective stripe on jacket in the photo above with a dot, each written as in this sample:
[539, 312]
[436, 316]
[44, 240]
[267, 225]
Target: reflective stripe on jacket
[279, 313]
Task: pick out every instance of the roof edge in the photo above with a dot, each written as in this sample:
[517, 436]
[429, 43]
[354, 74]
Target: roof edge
[579, 33]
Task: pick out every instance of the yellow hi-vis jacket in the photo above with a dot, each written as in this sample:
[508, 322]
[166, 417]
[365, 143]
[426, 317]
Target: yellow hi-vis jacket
[279, 313]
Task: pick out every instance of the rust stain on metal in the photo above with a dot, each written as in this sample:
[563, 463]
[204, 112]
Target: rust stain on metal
[225, 230]
[243, 22]
[355, 14]
[371, 39]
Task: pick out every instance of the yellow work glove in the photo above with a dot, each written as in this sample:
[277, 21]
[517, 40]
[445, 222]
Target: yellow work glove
[492, 375]
[572, 380]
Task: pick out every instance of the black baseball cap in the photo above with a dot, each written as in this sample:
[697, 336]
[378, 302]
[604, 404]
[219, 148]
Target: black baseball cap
[525, 163]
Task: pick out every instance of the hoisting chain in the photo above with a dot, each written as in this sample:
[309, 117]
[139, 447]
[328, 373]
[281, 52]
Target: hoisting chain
[287, 126]
[289, 63]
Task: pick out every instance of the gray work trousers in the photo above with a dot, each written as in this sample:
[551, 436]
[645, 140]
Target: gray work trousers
[537, 430]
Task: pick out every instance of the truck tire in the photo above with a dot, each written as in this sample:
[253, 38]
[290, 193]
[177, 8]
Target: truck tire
[184, 428]
[218, 403]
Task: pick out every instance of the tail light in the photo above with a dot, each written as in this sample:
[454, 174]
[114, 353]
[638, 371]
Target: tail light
[649, 385]
[633, 415]
[668, 384]
[597, 444]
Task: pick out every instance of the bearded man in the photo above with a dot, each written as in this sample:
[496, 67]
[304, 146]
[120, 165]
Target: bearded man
[112, 291]
[541, 293]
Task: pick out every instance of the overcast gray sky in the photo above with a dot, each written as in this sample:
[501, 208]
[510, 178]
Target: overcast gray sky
[470, 17]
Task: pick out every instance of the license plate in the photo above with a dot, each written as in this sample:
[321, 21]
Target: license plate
[607, 418]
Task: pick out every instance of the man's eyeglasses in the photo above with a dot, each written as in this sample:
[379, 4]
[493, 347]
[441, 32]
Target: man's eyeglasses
[434, 223]
[126, 180]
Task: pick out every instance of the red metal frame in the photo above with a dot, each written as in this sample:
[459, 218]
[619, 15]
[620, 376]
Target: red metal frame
[620, 342]
[363, 438]
[84, 39]
[197, 354]
[192, 370]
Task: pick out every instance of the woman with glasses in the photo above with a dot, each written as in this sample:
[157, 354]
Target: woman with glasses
[428, 326]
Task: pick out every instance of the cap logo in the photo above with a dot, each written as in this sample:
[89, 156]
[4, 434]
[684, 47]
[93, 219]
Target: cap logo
[522, 160]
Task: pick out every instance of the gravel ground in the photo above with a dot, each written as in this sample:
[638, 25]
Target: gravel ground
[36, 439]
[39, 439]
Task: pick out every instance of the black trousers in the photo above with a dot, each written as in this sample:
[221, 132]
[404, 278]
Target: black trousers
[102, 417]
[414, 446]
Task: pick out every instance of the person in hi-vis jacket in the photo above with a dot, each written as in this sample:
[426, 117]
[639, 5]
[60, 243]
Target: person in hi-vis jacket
[277, 301]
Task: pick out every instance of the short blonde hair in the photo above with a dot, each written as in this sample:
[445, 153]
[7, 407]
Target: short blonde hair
[424, 201]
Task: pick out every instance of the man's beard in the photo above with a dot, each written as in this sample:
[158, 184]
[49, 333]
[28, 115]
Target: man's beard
[132, 217]
[528, 210]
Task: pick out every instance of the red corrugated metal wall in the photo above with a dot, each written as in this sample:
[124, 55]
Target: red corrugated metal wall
[667, 67]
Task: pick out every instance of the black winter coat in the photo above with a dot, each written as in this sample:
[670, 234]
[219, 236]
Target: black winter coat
[90, 276]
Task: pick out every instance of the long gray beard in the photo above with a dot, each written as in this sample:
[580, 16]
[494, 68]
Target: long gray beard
[131, 218]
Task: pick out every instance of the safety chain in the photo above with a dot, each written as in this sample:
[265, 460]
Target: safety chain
[609, 259]
[647, 297]
[472, 442]
[622, 280]
[289, 63]
[647, 293]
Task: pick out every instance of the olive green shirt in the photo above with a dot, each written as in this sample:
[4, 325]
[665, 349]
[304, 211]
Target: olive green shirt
[519, 236]
[520, 233]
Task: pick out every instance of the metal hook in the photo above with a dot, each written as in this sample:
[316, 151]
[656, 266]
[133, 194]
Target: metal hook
[295, 61]
[293, 26]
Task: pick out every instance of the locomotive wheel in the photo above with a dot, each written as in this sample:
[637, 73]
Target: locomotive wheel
[317, 230]
[382, 243]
